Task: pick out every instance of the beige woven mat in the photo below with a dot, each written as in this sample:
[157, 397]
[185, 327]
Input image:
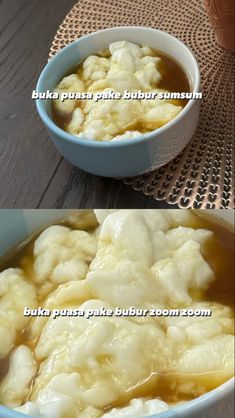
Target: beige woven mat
[202, 175]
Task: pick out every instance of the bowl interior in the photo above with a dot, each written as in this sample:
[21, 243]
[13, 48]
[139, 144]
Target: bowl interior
[18, 224]
[69, 57]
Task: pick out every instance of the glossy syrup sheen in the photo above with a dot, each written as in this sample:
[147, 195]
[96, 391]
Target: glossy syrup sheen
[218, 253]
[174, 79]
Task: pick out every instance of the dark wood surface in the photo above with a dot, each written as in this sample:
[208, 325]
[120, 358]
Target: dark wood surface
[32, 173]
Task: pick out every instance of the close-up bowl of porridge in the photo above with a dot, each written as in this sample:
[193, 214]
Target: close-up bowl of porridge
[101, 130]
[116, 314]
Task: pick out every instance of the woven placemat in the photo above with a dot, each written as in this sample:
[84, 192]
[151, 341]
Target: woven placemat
[202, 175]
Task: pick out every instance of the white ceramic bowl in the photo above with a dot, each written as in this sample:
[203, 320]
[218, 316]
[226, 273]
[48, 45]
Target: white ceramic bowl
[16, 225]
[125, 157]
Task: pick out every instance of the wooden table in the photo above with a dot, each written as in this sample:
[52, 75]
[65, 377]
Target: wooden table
[32, 173]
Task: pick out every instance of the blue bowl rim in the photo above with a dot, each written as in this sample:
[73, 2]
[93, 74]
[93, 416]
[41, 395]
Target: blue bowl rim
[122, 142]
